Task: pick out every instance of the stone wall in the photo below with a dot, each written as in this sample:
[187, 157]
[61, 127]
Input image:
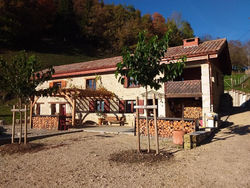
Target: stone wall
[166, 126]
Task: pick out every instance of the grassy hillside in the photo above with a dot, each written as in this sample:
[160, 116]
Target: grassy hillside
[46, 59]
[237, 79]
[53, 59]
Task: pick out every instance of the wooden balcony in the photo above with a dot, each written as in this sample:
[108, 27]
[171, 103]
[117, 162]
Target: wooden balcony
[180, 89]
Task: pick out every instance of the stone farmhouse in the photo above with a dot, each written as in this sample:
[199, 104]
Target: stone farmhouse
[192, 95]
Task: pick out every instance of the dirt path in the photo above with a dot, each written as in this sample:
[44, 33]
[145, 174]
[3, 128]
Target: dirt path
[82, 160]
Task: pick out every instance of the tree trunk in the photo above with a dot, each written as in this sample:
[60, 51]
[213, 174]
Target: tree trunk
[138, 126]
[147, 120]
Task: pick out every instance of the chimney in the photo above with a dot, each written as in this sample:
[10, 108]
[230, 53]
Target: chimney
[191, 42]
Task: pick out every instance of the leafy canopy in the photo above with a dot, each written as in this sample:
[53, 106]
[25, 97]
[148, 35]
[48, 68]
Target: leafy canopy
[22, 75]
[144, 65]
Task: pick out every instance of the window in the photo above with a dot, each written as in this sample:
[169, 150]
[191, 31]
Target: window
[131, 84]
[130, 106]
[91, 84]
[38, 109]
[58, 84]
[53, 109]
[128, 83]
[100, 106]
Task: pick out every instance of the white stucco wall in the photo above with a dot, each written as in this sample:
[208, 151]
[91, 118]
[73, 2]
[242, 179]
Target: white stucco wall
[110, 83]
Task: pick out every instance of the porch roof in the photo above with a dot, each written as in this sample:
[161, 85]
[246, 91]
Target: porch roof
[84, 93]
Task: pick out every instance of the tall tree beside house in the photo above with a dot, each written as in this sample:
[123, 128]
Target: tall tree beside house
[238, 54]
[65, 26]
[21, 76]
[143, 66]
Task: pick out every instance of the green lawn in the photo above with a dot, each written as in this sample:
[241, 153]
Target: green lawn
[236, 79]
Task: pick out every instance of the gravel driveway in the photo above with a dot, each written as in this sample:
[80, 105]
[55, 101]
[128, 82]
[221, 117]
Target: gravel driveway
[82, 160]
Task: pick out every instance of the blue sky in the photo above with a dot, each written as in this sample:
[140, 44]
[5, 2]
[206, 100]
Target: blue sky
[220, 18]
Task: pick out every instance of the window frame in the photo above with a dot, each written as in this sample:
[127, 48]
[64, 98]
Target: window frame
[99, 107]
[131, 108]
[51, 109]
[131, 84]
[93, 85]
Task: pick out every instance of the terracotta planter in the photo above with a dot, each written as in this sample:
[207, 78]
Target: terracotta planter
[178, 137]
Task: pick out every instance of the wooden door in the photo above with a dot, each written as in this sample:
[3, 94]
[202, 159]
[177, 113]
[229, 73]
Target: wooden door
[62, 117]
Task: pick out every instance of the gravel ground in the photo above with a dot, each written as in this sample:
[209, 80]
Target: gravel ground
[82, 160]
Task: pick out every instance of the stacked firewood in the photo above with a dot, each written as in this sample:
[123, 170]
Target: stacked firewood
[192, 112]
[45, 122]
[166, 127]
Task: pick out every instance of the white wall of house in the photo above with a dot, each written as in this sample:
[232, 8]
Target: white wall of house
[110, 83]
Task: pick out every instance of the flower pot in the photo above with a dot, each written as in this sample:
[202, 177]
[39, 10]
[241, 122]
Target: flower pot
[178, 137]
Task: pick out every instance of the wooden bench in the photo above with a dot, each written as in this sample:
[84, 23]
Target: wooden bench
[114, 120]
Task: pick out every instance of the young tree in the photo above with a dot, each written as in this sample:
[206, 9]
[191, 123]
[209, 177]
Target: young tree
[145, 68]
[22, 75]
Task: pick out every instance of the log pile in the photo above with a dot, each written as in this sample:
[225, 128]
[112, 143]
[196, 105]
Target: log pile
[45, 122]
[192, 112]
[166, 127]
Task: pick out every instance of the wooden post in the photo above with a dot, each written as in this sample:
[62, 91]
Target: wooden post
[138, 127]
[21, 123]
[156, 128]
[147, 120]
[25, 123]
[73, 112]
[31, 112]
[13, 125]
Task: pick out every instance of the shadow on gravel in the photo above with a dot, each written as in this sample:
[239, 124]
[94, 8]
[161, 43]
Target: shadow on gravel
[240, 130]
[132, 156]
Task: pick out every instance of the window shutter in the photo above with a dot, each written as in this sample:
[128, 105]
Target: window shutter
[106, 105]
[126, 82]
[64, 83]
[51, 84]
[92, 106]
[141, 102]
[121, 106]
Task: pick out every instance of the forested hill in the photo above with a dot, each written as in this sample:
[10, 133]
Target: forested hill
[80, 27]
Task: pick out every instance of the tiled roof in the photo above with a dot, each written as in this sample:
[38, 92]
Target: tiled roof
[89, 65]
[207, 47]
[109, 64]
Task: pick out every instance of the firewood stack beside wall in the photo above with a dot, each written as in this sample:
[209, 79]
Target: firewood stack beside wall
[45, 122]
[166, 127]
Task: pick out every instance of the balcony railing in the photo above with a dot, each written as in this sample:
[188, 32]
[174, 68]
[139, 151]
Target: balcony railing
[187, 88]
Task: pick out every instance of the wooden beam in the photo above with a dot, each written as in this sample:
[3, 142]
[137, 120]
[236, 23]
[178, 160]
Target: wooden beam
[156, 128]
[138, 126]
[69, 99]
[25, 124]
[36, 99]
[13, 125]
[73, 112]
[31, 113]
[146, 107]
